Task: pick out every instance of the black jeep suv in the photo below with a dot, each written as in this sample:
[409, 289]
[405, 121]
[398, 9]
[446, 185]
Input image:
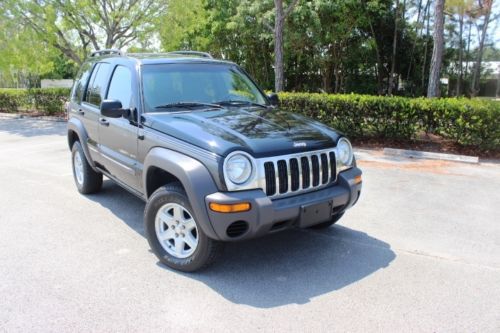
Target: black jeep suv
[213, 156]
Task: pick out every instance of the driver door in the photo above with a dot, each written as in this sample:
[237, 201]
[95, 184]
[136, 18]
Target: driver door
[118, 136]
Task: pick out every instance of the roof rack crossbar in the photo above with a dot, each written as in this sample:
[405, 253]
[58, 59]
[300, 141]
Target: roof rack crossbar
[106, 51]
[194, 53]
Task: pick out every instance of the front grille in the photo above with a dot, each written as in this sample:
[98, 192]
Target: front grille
[297, 173]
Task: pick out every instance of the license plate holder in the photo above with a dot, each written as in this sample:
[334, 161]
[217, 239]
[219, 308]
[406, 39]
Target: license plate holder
[315, 213]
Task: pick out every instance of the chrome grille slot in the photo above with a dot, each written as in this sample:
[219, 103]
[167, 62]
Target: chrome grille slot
[333, 167]
[283, 176]
[306, 172]
[296, 173]
[270, 178]
[315, 170]
[324, 169]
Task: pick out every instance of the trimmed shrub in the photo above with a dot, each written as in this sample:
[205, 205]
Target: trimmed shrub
[469, 122]
[48, 101]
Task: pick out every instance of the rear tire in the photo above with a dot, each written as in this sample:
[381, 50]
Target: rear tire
[173, 233]
[328, 224]
[86, 179]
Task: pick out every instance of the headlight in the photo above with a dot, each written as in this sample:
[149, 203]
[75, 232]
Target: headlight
[344, 151]
[238, 168]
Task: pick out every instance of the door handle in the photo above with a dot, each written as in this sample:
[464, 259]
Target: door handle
[80, 112]
[103, 122]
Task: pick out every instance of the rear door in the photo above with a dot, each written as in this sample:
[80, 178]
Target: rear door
[89, 107]
[77, 110]
[118, 136]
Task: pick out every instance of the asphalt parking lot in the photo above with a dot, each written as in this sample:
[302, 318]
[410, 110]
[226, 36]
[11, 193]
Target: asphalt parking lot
[420, 252]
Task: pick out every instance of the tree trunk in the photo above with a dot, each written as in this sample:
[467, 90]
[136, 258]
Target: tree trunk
[467, 52]
[437, 51]
[380, 65]
[279, 80]
[424, 65]
[460, 55]
[279, 23]
[394, 49]
[477, 68]
[419, 12]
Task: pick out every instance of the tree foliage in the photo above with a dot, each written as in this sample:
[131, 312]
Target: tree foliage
[335, 46]
[75, 26]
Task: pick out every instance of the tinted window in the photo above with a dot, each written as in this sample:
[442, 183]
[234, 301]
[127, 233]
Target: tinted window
[97, 85]
[120, 87]
[81, 83]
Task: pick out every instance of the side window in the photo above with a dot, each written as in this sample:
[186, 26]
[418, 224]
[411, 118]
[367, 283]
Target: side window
[97, 85]
[81, 83]
[120, 87]
[91, 82]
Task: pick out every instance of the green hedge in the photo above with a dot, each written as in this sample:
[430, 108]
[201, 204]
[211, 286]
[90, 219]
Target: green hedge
[49, 101]
[465, 121]
[468, 122]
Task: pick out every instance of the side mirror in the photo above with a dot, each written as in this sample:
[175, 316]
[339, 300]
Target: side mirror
[273, 99]
[112, 109]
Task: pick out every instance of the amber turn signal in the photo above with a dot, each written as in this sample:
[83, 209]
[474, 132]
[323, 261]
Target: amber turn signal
[357, 179]
[230, 208]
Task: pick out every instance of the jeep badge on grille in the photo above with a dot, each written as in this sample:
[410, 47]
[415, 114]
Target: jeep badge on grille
[299, 144]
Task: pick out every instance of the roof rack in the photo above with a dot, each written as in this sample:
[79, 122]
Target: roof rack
[192, 53]
[106, 51]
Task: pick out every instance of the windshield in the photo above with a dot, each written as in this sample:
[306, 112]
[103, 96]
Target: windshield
[168, 85]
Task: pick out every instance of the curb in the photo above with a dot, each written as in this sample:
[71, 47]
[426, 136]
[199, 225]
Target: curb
[432, 156]
[20, 116]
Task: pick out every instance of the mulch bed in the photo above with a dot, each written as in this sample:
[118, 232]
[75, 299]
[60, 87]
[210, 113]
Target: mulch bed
[430, 143]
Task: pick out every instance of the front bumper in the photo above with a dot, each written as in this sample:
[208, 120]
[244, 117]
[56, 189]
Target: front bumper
[267, 216]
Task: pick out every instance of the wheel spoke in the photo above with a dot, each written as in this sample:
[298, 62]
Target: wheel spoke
[190, 240]
[178, 213]
[166, 218]
[179, 245]
[189, 224]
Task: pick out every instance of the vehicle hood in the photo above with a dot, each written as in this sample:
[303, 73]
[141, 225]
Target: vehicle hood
[258, 131]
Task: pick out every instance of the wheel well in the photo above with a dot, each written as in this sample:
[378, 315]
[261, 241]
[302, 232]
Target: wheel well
[156, 177]
[72, 138]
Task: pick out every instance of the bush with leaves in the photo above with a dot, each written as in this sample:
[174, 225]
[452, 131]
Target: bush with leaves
[49, 101]
[468, 122]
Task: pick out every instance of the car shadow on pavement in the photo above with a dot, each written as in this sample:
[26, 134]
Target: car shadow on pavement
[293, 266]
[32, 127]
[288, 267]
[123, 204]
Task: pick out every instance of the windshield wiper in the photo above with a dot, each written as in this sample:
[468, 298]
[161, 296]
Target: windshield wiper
[187, 105]
[241, 102]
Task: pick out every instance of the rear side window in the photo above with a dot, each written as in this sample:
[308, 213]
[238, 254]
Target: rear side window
[97, 86]
[81, 83]
[120, 87]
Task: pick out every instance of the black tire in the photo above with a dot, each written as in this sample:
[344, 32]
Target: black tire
[207, 249]
[328, 224]
[92, 180]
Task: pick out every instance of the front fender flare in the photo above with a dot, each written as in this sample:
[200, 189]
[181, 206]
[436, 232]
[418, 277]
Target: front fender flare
[194, 177]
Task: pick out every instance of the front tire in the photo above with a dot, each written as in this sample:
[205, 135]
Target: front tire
[173, 233]
[86, 179]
